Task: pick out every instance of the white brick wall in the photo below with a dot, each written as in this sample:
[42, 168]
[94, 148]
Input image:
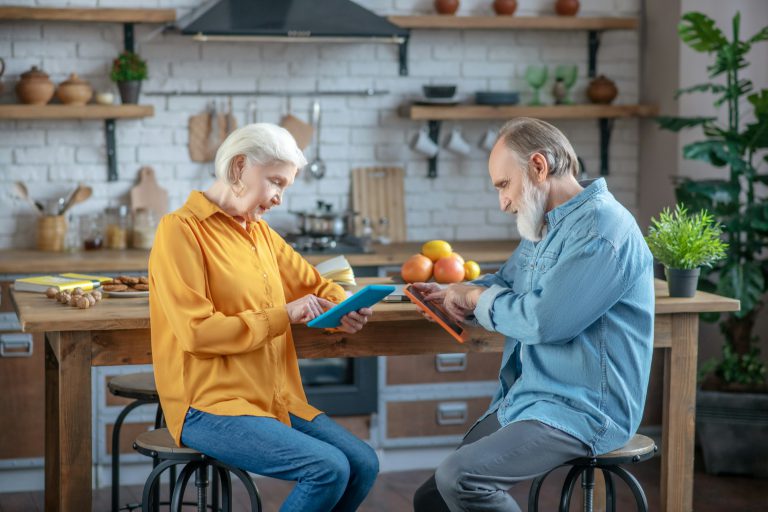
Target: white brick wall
[52, 156]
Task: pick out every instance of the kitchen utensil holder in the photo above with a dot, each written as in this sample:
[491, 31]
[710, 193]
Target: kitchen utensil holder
[51, 232]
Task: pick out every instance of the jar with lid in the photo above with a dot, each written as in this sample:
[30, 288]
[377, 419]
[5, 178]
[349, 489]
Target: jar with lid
[144, 226]
[92, 231]
[118, 227]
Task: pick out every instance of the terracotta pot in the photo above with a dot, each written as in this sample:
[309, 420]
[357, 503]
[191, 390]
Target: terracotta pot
[567, 7]
[74, 91]
[446, 6]
[505, 7]
[34, 87]
[602, 90]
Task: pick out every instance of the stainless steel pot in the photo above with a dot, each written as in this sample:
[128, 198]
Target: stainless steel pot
[324, 221]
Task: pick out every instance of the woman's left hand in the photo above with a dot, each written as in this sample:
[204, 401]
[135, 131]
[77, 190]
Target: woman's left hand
[355, 320]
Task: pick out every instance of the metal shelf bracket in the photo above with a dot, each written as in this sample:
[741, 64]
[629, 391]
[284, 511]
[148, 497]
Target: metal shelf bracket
[434, 134]
[403, 51]
[109, 132]
[606, 127]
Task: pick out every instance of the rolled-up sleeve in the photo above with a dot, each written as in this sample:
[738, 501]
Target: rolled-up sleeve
[177, 280]
[579, 288]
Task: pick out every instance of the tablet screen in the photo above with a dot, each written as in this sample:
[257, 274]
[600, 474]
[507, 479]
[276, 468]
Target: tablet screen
[439, 312]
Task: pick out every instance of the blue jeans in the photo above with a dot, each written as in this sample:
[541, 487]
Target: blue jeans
[333, 469]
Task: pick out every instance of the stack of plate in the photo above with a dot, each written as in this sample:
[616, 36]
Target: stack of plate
[497, 97]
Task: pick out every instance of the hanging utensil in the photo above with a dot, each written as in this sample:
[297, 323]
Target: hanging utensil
[23, 193]
[82, 193]
[317, 166]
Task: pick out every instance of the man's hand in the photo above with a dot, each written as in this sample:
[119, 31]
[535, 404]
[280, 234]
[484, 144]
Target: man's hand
[306, 308]
[461, 299]
[355, 320]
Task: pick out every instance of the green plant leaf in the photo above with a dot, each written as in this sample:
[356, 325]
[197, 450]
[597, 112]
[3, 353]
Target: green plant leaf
[708, 87]
[716, 152]
[720, 196]
[759, 101]
[762, 35]
[676, 124]
[699, 32]
[744, 282]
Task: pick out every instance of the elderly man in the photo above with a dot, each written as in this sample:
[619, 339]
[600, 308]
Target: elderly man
[575, 302]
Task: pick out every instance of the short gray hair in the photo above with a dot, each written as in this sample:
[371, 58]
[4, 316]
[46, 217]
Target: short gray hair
[525, 136]
[261, 144]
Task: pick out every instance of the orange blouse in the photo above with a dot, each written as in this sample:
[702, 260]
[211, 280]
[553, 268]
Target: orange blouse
[221, 339]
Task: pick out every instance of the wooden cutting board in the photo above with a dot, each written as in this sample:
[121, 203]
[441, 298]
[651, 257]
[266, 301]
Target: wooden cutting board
[148, 194]
[205, 137]
[378, 192]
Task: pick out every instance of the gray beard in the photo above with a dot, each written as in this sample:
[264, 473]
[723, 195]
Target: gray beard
[530, 216]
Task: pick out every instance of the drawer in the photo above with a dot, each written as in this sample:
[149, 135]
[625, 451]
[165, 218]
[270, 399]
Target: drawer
[22, 401]
[440, 368]
[425, 418]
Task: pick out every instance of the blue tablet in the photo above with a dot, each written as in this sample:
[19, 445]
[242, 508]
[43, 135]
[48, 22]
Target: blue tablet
[364, 298]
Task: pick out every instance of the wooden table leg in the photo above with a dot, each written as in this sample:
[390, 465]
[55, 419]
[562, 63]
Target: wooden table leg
[679, 414]
[68, 454]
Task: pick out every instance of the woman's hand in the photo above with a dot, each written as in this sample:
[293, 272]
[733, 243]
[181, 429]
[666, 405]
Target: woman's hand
[432, 292]
[355, 320]
[306, 308]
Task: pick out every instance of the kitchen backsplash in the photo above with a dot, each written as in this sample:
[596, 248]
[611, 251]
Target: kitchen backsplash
[51, 157]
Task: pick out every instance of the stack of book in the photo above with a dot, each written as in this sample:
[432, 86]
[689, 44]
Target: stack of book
[61, 282]
[337, 270]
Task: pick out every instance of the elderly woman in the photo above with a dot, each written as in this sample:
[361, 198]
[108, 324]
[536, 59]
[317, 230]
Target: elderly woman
[224, 290]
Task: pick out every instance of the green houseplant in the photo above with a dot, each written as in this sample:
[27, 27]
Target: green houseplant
[737, 201]
[128, 70]
[683, 243]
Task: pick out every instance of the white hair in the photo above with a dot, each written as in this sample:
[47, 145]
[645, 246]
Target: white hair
[525, 136]
[261, 144]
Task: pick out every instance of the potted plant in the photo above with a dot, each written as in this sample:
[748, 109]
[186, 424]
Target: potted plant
[736, 416]
[684, 243]
[128, 70]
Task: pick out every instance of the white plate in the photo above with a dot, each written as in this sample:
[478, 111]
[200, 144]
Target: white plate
[125, 295]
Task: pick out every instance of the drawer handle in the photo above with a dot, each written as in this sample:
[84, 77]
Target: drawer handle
[451, 362]
[452, 413]
[16, 345]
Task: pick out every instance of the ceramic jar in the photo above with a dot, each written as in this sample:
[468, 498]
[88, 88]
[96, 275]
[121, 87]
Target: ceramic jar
[602, 90]
[74, 91]
[505, 7]
[34, 87]
[446, 6]
[567, 7]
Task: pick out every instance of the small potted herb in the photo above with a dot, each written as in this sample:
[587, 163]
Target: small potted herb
[128, 70]
[683, 243]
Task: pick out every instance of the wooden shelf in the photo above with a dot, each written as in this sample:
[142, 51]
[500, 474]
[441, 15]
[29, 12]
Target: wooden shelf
[93, 15]
[76, 111]
[483, 112]
[515, 22]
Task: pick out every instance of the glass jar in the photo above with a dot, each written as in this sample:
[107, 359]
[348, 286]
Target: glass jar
[144, 226]
[118, 227]
[92, 231]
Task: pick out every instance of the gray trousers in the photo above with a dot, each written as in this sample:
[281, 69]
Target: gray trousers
[490, 460]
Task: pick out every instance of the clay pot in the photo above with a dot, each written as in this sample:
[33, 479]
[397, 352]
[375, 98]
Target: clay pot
[446, 6]
[34, 87]
[602, 90]
[505, 7]
[567, 7]
[74, 91]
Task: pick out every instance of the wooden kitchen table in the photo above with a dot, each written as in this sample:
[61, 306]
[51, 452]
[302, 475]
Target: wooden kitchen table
[116, 332]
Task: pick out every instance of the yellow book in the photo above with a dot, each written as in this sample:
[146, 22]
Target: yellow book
[96, 279]
[338, 270]
[42, 283]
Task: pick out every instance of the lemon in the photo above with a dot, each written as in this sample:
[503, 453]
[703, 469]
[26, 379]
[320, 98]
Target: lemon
[471, 270]
[436, 249]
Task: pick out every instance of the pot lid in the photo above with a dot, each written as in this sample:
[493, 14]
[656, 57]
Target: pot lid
[74, 80]
[35, 74]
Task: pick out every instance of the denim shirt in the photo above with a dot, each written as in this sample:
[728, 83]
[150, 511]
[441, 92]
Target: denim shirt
[577, 311]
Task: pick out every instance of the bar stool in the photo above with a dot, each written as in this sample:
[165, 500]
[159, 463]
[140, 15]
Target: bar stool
[141, 388]
[159, 444]
[638, 449]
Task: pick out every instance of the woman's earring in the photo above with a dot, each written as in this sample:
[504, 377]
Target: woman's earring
[238, 188]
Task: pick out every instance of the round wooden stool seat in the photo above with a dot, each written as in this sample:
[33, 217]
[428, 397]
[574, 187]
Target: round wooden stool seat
[159, 443]
[638, 449]
[140, 386]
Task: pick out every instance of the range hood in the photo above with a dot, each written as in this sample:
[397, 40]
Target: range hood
[290, 21]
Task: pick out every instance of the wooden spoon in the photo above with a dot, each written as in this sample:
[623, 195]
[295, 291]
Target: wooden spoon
[21, 191]
[78, 196]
